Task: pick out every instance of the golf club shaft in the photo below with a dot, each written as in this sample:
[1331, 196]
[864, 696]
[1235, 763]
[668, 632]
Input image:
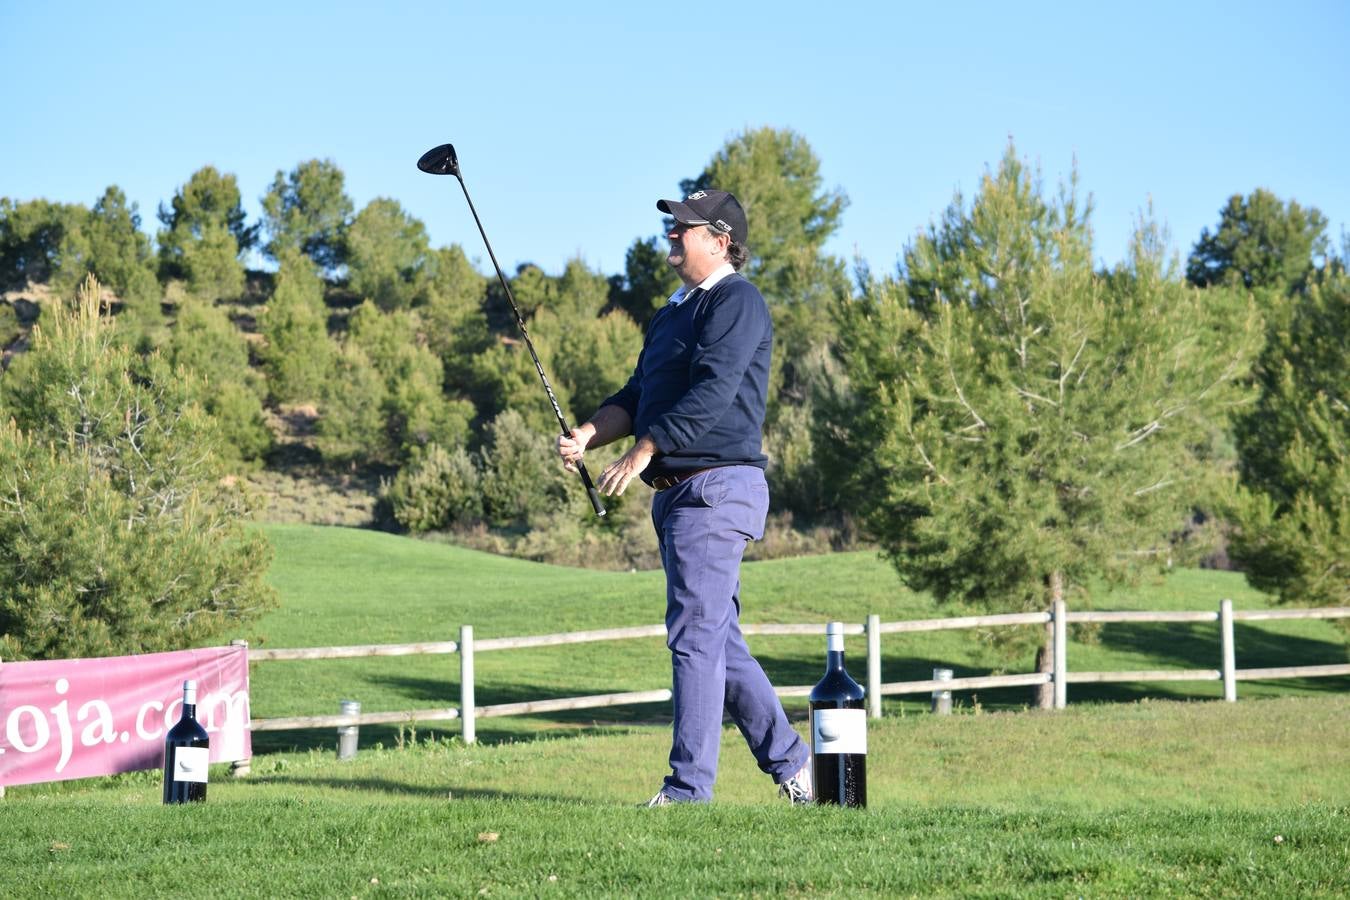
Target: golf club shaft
[538, 366]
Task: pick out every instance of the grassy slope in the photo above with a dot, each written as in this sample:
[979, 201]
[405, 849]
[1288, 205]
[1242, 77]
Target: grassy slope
[346, 586]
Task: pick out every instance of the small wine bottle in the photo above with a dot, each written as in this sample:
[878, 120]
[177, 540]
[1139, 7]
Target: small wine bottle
[838, 730]
[186, 754]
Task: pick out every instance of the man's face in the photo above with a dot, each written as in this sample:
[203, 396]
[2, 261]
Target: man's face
[694, 251]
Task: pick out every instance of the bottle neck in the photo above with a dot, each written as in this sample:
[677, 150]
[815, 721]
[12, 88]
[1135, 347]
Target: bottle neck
[189, 710]
[834, 647]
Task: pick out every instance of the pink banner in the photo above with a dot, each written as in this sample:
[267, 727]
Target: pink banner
[74, 718]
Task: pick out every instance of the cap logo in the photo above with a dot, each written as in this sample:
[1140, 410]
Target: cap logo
[697, 195]
[722, 226]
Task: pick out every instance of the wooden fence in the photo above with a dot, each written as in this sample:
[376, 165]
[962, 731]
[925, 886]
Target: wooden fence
[468, 712]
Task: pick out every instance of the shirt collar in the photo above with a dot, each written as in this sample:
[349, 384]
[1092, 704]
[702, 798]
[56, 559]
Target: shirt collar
[706, 284]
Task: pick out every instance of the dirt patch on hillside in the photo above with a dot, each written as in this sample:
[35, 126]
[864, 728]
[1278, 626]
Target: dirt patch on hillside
[313, 497]
[298, 486]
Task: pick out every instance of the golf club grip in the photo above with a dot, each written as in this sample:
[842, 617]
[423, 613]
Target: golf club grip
[590, 489]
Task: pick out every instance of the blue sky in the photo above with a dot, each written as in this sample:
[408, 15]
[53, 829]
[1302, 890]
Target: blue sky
[571, 120]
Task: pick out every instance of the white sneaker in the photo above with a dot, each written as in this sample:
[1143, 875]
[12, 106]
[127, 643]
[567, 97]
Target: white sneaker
[798, 788]
[661, 799]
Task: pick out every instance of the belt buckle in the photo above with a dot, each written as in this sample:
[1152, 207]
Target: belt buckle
[664, 482]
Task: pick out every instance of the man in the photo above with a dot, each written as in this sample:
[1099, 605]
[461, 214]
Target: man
[696, 405]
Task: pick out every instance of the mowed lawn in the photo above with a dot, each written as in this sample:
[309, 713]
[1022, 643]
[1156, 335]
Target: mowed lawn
[346, 586]
[1134, 790]
[1159, 798]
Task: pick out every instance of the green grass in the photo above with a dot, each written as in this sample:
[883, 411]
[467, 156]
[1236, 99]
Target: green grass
[1173, 795]
[343, 586]
[1147, 799]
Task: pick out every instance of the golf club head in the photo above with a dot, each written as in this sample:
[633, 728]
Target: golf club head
[440, 161]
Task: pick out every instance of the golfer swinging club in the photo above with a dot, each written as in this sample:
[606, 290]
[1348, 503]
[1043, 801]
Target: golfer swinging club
[696, 404]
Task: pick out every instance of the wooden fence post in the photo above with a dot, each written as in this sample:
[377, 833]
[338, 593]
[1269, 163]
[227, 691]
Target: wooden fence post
[1061, 654]
[239, 768]
[466, 702]
[874, 665]
[1229, 651]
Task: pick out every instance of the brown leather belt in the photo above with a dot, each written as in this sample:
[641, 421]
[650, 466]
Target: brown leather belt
[664, 482]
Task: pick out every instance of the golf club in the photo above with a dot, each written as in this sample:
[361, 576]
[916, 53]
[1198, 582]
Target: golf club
[442, 160]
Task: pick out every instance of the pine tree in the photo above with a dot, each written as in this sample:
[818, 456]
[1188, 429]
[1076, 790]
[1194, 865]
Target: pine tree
[521, 478]
[9, 325]
[776, 176]
[387, 254]
[352, 424]
[118, 533]
[504, 377]
[1294, 448]
[205, 342]
[107, 242]
[212, 264]
[204, 233]
[308, 210]
[298, 355]
[417, 412]
[591, 358]
[450, 302]
[1020, 425]
[1260, 242]
[437, 488]
[31, 234]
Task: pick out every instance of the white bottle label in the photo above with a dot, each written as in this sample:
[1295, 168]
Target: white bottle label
[839, 731]
[190, 764]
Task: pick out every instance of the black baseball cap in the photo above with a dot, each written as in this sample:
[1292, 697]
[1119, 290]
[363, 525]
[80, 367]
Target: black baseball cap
[717, 209]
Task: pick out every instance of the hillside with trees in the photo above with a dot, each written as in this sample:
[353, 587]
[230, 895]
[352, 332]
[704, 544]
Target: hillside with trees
[1007, 422]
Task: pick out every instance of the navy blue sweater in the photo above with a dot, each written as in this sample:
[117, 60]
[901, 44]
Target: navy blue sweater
[702, 380]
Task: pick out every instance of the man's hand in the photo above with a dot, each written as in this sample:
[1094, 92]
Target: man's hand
[572, 448]
[617, 474]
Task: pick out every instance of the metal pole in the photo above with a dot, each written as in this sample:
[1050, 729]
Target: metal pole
[1061, 651]
[466, 701]
[942, 700]
[348, 735]
[874, 666]
[1229, 651]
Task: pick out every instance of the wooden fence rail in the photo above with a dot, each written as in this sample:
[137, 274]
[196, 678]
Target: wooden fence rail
[1059, 617]
[358, 650]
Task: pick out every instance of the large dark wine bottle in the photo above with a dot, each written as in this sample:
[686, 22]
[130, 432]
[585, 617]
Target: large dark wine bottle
[186, 754]
[838, 730]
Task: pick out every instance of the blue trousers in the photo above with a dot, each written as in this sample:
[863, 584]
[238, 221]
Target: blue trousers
[702, 526]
